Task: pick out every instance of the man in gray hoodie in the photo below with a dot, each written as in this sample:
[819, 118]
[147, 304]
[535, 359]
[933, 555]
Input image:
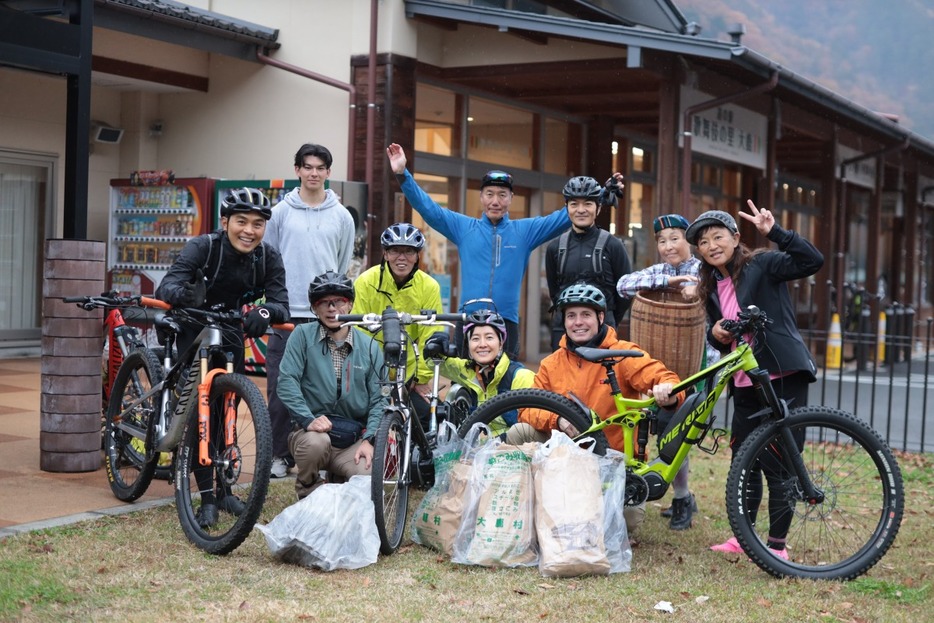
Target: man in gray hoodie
[314, 233]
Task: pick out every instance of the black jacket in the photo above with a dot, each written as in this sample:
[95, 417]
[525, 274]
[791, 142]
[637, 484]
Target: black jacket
[763, 283]
[579, 266]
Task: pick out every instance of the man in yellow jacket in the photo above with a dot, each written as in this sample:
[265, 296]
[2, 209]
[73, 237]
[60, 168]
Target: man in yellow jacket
[583, 307]
[398, 282]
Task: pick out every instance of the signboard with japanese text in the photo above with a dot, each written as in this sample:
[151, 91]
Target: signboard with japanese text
[728, 132]
[861, 173]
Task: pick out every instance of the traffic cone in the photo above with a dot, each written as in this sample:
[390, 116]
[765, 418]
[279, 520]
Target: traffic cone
[880, 355]
[834, 357]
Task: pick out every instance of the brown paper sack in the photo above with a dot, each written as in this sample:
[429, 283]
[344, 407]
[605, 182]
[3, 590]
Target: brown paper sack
[569, 514]
[437, 526]
[504, 535]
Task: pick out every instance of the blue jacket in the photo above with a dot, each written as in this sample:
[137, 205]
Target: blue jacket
[493, 258]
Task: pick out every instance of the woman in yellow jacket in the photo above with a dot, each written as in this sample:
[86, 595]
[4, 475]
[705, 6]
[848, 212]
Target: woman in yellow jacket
[397, 282]
[488, 370]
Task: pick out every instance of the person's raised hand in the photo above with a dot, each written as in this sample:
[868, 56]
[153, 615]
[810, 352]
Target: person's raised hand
[195, 292]
[396, 158]
[762, 219]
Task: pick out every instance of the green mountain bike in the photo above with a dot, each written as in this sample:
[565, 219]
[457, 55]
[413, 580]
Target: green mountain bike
[839, 480]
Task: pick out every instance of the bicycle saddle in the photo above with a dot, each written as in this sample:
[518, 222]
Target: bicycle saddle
[596, 355]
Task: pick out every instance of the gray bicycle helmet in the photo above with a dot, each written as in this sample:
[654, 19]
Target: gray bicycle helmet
[246, 200]
[582, 187]
[485, 318]
[330, 283]
[402, 235]
[711, 217]
[582, 294]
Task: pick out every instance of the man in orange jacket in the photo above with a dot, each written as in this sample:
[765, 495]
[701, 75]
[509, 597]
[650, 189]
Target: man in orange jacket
[583, 307]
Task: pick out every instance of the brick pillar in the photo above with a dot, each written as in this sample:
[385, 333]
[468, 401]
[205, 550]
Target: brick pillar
[72, 344]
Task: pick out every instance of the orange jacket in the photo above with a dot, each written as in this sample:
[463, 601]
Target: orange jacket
[563, 372]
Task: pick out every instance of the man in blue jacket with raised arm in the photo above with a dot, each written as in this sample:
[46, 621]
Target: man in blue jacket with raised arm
[494, 250]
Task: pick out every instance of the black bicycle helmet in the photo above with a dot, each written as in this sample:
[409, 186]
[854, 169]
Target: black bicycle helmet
[582, 294]
[711, 217]
[330, 283]
[485, 318]
[246, 200]
[582, 187]
[402, 235]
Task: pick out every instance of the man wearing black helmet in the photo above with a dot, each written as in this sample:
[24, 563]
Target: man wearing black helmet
[494, 250]
[587, 252]
[329, 382]
[397, 282]
[582, 307]
[230, 267]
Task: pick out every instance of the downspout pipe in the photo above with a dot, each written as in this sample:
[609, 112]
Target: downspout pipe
[841, 225]
[371, 108]
[307, 73]
[686, 132]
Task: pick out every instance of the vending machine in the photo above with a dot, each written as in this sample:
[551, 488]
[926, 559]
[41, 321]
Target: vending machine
[152, 216]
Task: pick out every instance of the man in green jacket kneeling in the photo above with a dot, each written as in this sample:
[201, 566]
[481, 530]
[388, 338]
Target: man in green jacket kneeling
[329, 382]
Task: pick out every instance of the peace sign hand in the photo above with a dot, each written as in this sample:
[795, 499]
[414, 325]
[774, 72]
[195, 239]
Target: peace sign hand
[762, 219]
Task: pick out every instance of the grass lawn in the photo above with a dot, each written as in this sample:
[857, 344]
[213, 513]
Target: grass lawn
[140, 567]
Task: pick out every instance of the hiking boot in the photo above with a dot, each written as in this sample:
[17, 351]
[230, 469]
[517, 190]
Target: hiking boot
[231, 504]
[682, 512]
[280, 468]
[666, 512]
[206, 515]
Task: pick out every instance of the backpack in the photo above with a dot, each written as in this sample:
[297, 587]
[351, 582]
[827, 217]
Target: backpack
[597, 256]
[505, 384]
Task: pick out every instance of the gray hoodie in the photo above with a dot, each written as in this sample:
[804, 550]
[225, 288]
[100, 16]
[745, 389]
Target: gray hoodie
[311, 241]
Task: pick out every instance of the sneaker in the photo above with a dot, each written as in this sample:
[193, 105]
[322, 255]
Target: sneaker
[682, 512]
[781, 553]
[730, 546]
[207, 515]
[666, 512]
[231, 504]
[280, 468]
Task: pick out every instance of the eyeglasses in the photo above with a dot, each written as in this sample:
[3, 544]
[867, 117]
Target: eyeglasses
[397, 251]
[335, 302]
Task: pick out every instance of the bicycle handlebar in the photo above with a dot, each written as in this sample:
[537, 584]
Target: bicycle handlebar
[751, 320]
[109, 299]
[377, 320]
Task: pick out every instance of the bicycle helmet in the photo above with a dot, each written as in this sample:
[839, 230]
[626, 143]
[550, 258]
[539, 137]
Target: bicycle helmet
[666, 221]
[330, 283]
[582, 294]
[246, 200]
[402, 235]
[711, 217]
[582, 187]
[485, 318]
[496, 178]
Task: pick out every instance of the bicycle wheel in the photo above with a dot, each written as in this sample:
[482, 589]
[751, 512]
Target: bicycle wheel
[838, 538]
[540, 399]
[129, 461]
[460, 401]
[239, 468]
[390, 481]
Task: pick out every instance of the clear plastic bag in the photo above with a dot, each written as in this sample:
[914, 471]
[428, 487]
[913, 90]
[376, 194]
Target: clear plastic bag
[332, 528]
[615, 534]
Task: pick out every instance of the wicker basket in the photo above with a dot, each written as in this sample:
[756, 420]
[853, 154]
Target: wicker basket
[670, 329]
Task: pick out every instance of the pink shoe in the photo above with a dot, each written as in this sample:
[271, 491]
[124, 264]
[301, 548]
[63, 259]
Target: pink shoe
[731, 546]
[781, 553]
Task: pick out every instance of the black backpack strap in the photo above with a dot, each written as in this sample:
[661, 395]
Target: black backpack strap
[562, 253]
[505, 383]
[213, 258]
[598, 252]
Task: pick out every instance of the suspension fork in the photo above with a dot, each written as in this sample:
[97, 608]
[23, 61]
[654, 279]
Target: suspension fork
[204, 410]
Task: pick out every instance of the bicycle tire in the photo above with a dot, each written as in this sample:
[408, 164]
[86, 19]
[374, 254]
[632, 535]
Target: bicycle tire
[128, 458]
[390, 482]
[242, 468]
[537, 398]
[460, 401]
[856, 523]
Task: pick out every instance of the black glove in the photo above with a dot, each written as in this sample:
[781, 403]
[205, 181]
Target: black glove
[256, 322]
[437, 345]
[196, 292]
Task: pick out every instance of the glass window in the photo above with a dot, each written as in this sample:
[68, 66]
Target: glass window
[435, 120]
[643, 160]
[500, 134]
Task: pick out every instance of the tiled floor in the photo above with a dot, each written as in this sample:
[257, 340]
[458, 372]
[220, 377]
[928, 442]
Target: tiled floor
[31, 498]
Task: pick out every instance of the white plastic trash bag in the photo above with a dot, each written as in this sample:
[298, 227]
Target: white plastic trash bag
[334, 527]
